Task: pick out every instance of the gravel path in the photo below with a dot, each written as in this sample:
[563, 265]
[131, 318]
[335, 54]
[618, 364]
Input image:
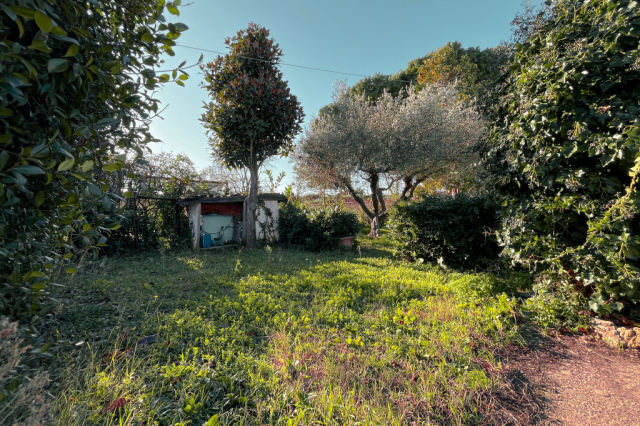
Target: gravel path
[579, 381]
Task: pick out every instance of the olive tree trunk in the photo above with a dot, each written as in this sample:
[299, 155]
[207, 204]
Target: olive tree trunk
[375, 219]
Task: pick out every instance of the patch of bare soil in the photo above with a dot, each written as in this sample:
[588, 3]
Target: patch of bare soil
[573, 380]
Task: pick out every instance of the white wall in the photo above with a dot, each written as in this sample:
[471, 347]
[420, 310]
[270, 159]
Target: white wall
[272, 205]
[194, 218]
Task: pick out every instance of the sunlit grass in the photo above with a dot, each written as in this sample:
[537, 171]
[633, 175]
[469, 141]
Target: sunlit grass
[278, 337]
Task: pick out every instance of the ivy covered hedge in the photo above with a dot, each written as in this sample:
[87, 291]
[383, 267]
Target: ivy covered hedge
[565, 152]
[452, 231]
[76, 95]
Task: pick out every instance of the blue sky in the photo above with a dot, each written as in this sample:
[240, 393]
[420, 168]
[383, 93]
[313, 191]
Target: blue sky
[359, 37]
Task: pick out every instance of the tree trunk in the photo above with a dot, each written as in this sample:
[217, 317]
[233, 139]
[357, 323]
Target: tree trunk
[375, 220]
[408, 184]
[252, 205]
[358, 199]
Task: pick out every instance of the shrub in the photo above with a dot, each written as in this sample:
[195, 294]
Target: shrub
[76, 97]
[556, 304]
[565, 152]
[315, 229]
[454, 231]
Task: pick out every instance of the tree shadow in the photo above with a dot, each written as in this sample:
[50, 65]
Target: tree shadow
[524, 395]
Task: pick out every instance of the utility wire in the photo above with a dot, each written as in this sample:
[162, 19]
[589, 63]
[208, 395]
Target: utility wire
[282, 63]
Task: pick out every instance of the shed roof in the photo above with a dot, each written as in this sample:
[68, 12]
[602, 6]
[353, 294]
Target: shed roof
[229, 199]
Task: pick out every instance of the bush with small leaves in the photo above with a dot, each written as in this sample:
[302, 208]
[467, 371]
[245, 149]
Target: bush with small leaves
[452, 231]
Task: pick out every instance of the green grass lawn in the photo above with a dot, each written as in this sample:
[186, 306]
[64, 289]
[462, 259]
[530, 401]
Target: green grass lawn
[278, 337]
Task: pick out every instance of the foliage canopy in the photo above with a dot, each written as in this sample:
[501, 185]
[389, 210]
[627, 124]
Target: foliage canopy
[394, 137]
[252, 115]
[565, 151]
[76, 85]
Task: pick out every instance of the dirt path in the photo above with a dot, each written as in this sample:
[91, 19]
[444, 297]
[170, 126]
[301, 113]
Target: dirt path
[579, 382]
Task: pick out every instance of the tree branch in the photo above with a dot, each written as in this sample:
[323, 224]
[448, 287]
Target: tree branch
[383, 205]
[356, 197]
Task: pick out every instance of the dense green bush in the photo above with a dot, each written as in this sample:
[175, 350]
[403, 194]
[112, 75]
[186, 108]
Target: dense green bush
[76, 96]
[315, 229]
[454, 231]
[565, 153]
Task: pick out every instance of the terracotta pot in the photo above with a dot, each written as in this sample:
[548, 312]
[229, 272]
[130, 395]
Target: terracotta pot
[346, 241]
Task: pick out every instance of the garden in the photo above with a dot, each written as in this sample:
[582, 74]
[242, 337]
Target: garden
[448, 227]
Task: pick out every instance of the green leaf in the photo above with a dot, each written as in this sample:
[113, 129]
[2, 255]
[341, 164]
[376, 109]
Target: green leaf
[80, 176]
[44, 22]
[112, 167]
[57, 65]
[87, 165]
[94, 190]
[106, 201]
[128, 194]
[86, 227]
[28, 170]
[12, 15]
[6, 138]
[39, 199]
[41, 46]
[71, 270]
[173, 10]
[606, 86]
[4, 157]
[62, 33]
[181, 27]
[20, 27]
[108, 121]
[23, 11]
[147, 37]
[6, 112]
[45, 347]
[72, 51]
[66, 164]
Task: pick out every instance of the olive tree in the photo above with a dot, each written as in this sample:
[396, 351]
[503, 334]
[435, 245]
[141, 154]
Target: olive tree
[414, 134]
[252, 115]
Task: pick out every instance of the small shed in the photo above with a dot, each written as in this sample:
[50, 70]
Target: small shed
[218, 221]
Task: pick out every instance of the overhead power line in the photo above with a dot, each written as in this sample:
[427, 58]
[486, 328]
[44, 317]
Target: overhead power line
[280, 63]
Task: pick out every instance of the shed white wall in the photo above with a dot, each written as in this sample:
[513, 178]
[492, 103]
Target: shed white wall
[272, 205]
[194, 218]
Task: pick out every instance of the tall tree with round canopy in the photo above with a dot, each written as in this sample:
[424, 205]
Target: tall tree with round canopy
[252, 115]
